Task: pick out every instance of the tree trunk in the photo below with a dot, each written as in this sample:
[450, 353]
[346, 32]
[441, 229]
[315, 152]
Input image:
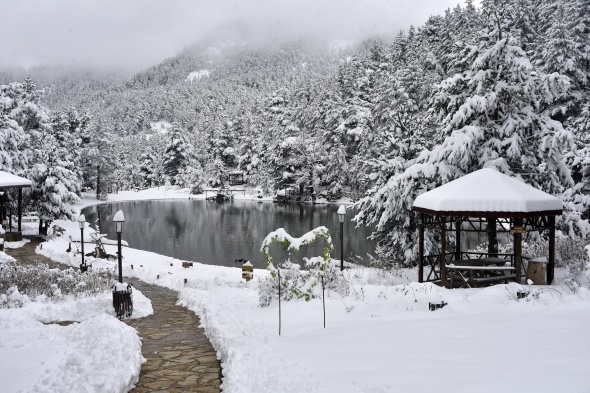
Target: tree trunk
[98, 182]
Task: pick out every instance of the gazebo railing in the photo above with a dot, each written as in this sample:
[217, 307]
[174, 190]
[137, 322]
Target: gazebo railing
[431, 262]
[480, 255]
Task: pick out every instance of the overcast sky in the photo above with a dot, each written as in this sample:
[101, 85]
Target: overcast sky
[135, 34]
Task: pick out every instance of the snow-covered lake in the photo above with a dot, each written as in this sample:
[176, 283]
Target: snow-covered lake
[219, 233]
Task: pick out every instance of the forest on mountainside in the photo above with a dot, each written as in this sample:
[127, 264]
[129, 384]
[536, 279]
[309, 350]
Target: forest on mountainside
[505, 85]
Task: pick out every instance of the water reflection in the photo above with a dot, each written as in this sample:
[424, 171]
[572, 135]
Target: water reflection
[218, 233]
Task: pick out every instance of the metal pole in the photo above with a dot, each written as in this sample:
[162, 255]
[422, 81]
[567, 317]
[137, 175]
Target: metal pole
[324, 300]
[82, 243]
[341, 246]
[120, 257]
[279, 272]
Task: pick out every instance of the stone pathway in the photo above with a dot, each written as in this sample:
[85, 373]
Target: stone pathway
[179, 356]
[27, 255]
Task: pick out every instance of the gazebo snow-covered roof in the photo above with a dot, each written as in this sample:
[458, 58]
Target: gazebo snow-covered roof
[8, 180]
[484, 201]
[488, 193]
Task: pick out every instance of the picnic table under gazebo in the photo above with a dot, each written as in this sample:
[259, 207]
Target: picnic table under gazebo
[484, 201]
[10, 181]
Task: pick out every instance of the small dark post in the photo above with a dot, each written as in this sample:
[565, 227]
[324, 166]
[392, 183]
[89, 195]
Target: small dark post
[517, 249]
[20, 207]
[457, 239]
[421, 248]
[1, 206]
[120, 259]
[81, 223]
[119, 219]
[492, 238]
[341, 216]
[551, 264]
[443, 246]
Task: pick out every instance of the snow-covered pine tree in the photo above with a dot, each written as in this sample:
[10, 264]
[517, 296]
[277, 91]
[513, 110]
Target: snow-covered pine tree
[98, 157]
[55, 185]
[489, 115]
[177, 154]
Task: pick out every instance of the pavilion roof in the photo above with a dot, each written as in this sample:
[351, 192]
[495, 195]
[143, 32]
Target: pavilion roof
[8, 180]
[488, 193]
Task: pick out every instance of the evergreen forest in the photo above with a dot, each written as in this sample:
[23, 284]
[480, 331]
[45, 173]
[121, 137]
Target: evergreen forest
[503, 85]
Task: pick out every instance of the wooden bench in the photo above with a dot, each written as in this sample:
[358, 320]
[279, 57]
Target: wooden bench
[469, 275]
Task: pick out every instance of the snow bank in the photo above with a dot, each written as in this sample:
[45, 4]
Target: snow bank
[100, 354]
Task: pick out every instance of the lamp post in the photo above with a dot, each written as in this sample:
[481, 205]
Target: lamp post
[119, 219]
[81, 224]
[2, 208]
[341, 216]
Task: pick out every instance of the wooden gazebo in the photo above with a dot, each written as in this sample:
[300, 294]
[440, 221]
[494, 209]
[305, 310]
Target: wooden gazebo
[10, 181]
[490, 202]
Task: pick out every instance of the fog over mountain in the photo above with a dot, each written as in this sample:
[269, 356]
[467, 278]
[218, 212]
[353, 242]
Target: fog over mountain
[134, 34]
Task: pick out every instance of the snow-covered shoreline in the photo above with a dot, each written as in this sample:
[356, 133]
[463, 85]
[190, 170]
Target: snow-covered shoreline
[379, 338]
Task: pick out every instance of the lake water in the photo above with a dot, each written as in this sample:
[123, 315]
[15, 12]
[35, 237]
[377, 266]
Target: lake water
[219, 233]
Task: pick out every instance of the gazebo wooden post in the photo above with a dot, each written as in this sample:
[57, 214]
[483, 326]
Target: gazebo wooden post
[20, 207]
[421, 248]
[443, 251]
[492, 238]
[517, 250]
[551, 264]
[457, 239]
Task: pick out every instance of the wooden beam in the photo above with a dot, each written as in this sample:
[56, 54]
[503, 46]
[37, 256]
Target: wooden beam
[421, 247]
[551, 264]
[517, 251]
[457, 239]
[20, 207]
[492, 237]
[443, 246]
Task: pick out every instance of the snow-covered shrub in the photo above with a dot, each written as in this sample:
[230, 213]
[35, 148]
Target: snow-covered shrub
[320, 271]
[40, 280]
[268, 288]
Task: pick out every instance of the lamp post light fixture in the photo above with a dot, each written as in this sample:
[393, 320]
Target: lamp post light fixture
[119, 219]
[341, 216]
[81, 224]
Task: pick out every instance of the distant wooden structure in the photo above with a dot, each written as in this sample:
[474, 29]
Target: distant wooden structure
[483, 201]
[10, 181]
[236, 178]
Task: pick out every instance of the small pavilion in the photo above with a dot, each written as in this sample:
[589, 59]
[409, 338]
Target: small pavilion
[10, 181]
[483, 201]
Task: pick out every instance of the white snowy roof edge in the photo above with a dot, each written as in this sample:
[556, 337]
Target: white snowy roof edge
[489, 192]
[10, 180]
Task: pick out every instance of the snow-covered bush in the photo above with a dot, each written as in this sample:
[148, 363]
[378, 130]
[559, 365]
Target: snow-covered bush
[40, 280]
[297, 282]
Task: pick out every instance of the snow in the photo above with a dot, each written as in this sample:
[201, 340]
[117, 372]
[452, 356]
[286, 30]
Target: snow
[196, 75]
[487, 190]
[342, 210]
[10, 180]
[119, 217]
[96, 353]
[160, 126]
[379, 338]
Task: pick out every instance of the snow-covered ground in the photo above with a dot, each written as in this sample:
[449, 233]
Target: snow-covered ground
[95, 353]
[379, 338]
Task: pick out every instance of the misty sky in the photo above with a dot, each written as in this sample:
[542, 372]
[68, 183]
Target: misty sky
[135, 34]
